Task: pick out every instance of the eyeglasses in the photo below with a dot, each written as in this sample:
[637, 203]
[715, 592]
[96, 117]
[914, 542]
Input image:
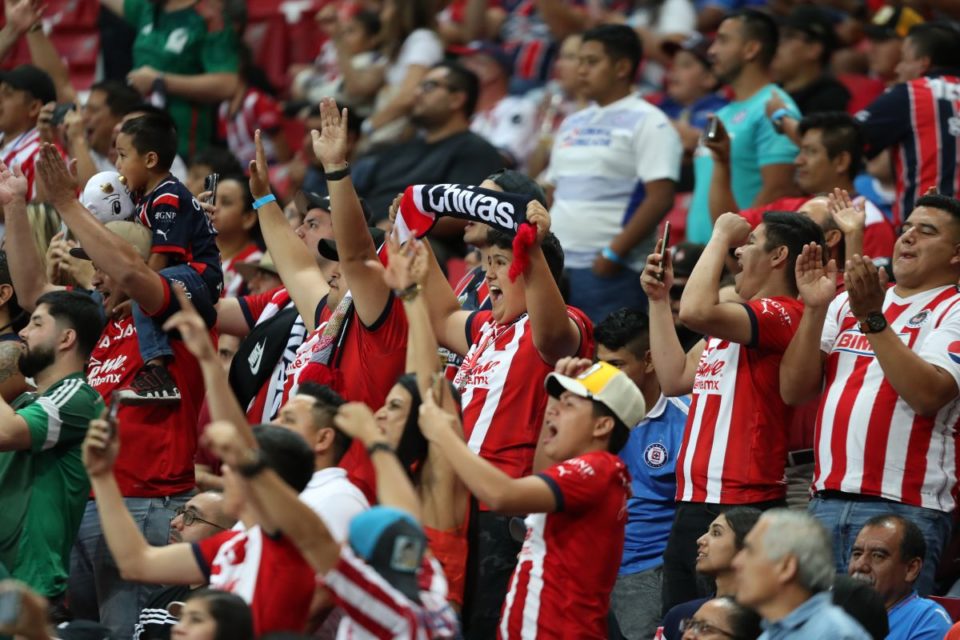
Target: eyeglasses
[429, 85]
[700, 627]
[190, 517]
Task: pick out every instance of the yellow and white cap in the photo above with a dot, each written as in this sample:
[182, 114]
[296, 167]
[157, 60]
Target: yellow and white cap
[606, 384]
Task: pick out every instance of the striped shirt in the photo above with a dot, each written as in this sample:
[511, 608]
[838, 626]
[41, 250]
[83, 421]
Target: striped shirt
[868, 439]
[919, 121]
[257, 111]
[22, 150]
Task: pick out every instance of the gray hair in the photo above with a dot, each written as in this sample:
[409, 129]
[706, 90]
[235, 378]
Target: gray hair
[799, 534]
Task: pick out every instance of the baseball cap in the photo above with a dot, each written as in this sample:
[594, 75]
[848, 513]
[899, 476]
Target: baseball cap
[249, 269]
[134, 233]
[83, 630]
[696, 43]
[684, 256]
[328, 248]
[892, 22]
[392, 543]
[33, 80]
[606, 384]
[307, 200]
[485, 48]
[813, 23]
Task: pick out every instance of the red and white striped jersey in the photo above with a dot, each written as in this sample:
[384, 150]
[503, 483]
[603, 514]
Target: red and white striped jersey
[501, 382]
[570, 558]
[22, 150]
[257, 111]
[375, 609]
[868, 439]
[232, 280]
[735, 443]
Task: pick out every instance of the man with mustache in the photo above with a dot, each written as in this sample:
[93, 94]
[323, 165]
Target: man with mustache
[888, 555]
[44, 484]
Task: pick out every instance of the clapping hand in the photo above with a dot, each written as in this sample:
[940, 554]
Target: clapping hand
[848, 216]
[866, 286]
[816, 282]
[406, 265]
[13, 185]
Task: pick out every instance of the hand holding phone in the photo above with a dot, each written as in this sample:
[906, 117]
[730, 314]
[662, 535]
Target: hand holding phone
[664, 247]
[111, 418]
[210, 184]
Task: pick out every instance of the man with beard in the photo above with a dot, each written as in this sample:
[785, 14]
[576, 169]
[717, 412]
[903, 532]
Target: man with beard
[44, 484]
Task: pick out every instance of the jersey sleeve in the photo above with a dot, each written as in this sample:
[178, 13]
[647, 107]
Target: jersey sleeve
[61, 418]
[219, 54]
[206, 550]
[169, 221]
[587, 342]
[942, 346]
[658, 149]
[253, 305]
[475, 322]
[831, 325]
[772, 147]
[886, 120]
[774, 322]
[267, 113]
[579, 483]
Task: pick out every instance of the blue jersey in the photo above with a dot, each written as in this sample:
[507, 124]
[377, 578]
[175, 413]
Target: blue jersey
[181, 230]
[651, 457]
[918, 618]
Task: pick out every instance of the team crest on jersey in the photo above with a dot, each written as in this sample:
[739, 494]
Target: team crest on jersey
[655, 455]
[919, 319]
[954, 351]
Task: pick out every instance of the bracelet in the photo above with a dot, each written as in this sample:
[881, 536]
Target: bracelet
[379, 446]
[609, 254]
[267, 199]
[410, 293]
[339, 174]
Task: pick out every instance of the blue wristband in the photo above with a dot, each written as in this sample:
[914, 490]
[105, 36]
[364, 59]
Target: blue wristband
[613, 257]
[780, 114]
[259, 202]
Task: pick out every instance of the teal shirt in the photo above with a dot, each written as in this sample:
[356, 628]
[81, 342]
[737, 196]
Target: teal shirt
[754, 144]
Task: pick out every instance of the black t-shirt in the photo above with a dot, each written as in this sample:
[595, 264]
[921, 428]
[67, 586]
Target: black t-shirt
[826, 93]
[463, 158]
[155, 622]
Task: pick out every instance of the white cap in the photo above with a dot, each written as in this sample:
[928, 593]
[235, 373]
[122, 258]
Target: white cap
[606, 384]
[107, 197]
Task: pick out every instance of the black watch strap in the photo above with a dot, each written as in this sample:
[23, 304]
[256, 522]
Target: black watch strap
[253, 467]
[875, 322]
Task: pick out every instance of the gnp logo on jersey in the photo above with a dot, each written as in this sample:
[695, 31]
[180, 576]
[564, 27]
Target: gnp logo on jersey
[655, 455]
[954, 351]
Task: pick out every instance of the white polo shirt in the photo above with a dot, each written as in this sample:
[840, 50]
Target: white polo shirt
[335, 499]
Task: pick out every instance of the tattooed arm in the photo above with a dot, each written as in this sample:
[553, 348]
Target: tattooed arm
[12, 383]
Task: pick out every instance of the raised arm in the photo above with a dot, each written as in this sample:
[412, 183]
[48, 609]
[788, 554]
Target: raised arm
[354, 243]
[135, 558]
[700, 306]
[720, 197]
[296, 265]
[113, 255]
[45, 55]
[801, 373]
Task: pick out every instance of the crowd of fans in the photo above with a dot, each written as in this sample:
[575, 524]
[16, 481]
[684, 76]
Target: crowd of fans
[504, 318]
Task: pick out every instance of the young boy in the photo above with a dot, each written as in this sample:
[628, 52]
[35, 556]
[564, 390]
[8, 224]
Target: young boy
[183, 246]
[577, 506]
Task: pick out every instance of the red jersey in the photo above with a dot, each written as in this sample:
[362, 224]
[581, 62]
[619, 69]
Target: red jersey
[501, 382]
[735, 444]
[302, 357]
[22, 150]
[879, 235]
[570, 558]
[257, 111]
[868, 439]
[159, 441]
[233, 282]
[268, 572]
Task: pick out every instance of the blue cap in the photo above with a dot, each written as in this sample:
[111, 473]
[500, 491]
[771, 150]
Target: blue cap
[391, 542]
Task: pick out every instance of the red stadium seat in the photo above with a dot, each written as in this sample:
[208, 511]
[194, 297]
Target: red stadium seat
[952, 605]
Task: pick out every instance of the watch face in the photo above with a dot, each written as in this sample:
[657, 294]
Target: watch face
[876, 322]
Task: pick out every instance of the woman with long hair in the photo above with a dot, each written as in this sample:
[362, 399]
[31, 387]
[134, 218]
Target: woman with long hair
[208, 614]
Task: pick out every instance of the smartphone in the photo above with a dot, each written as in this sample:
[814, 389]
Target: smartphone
[60, 112]
[112, 415]
[664, 247]
[9, 608]
[210, 184]
[713, 129]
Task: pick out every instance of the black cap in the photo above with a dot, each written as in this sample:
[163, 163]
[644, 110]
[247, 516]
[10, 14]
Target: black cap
[697, 44]
[684, 256]
[33, 80]
[83, 630]
[307, 200]
[891, 22]
[813, 23]
[328, 248]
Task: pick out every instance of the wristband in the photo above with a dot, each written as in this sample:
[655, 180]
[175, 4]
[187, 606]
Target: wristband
[379, 446]
[410, 293]
[779, 114]
[339, 174]
[267, 199]
[609, 254]
[253, 467]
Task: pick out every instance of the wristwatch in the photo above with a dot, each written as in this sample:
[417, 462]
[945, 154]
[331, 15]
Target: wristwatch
[253, 465]
[873, 323]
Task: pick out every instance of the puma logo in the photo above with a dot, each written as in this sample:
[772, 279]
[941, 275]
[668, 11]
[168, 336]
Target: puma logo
[161, 232]
[256, 356]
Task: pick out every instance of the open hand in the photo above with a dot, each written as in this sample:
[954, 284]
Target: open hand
[13, 185]
[816, 282]
[100, 448]
[330, 143]
[192, 328]
[847, 215]
[406, 264]
[259, 170]
[866, 286]
[59, 185]
[572, 366]
[22, 15]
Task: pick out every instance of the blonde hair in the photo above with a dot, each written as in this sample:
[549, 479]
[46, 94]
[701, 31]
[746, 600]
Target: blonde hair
[44, 223]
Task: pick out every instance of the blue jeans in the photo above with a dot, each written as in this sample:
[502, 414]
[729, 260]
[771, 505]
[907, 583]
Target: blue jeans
[95, 589]
[844, 519]
[153, 340]
[599, 297]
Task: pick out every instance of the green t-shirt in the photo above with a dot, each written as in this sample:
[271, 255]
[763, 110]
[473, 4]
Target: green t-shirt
[43, 490]
[178, 43]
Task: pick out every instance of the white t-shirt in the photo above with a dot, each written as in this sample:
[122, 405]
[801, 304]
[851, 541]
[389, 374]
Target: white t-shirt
[510, 126]
[601, 158]
[335, 499]
[422, 47]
